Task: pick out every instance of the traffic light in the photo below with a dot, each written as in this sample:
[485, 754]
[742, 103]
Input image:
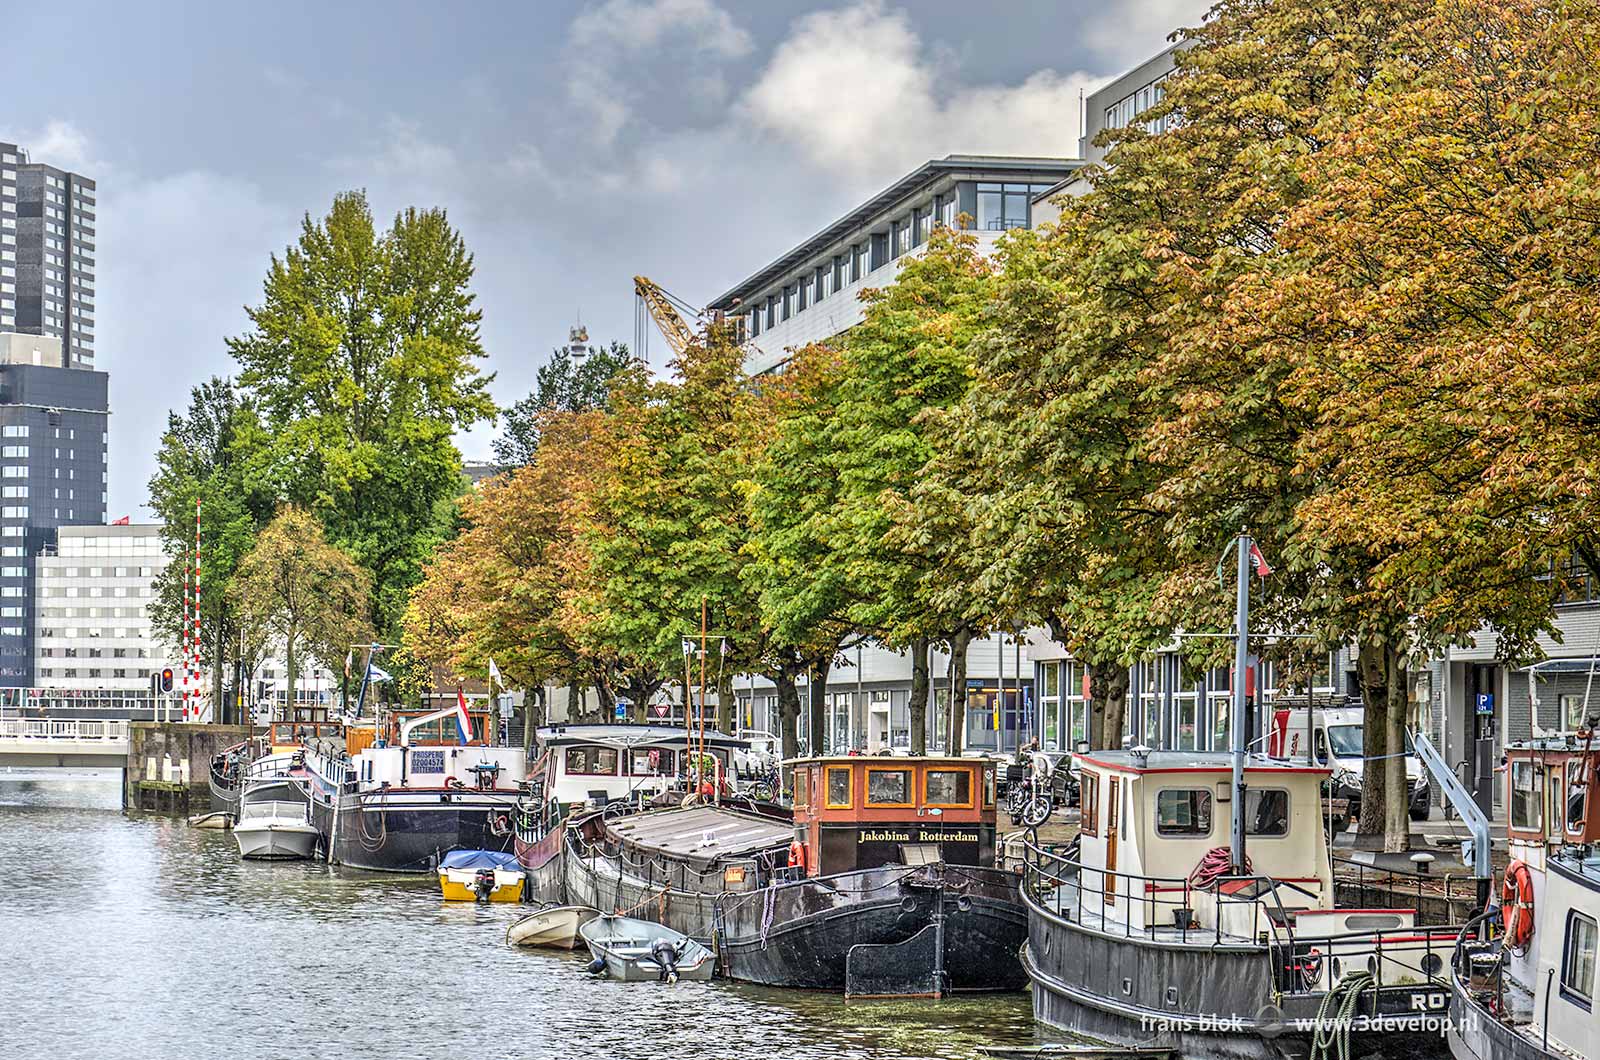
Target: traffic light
[166, 679]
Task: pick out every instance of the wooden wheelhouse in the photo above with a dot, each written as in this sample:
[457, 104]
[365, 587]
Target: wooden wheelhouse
[861, 812]
[1549, 802]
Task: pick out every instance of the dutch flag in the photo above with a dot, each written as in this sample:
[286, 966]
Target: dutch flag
[463, 719]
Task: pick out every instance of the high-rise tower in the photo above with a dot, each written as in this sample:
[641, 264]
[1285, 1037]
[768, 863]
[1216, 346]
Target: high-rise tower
[47, 233]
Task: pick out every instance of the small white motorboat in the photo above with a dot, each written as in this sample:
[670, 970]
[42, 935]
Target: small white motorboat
[638, 951]
[275, 831]
[556, 927]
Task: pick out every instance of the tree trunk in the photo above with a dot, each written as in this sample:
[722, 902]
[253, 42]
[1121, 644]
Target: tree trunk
[531, 698]
[958, 689]
[726, 703]
[1396, 819]
[1108, 699]
[918, 707]
[817, 695]
[788, 712]
[288, 666]
[1372, 665]
[219, 700]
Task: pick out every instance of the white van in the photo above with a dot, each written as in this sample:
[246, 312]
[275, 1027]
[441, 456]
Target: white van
[1336, 738]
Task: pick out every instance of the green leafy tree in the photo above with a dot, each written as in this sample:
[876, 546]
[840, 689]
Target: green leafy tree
[301, 594]
[562, 386]
[796, 575]
[362, 363]
[209, 454]
[908, 357]
[666, 526]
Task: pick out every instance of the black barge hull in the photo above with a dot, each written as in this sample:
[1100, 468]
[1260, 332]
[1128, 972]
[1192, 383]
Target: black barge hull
[409, 831]
[823, 933]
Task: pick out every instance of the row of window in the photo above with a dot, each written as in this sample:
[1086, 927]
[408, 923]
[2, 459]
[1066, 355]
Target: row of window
[71, 672]
[1186, 812]
[999, 207]
[95, 572]
[108, 632]
[119, 592]
[94, 653]
[1126, 110]
[889, 787]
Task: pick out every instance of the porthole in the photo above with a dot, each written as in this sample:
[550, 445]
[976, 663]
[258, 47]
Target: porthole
[1432, 963]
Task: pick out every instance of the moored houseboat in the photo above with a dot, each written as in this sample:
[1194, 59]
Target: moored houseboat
[896, 890]
[595, 767]
[1523, 977]
[1148, 936]
[399, 797]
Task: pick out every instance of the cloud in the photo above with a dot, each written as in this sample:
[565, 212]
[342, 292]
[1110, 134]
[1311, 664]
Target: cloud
[632, 26]
[856, 91]
[1131, 33]
[179, 256]
[61, 144]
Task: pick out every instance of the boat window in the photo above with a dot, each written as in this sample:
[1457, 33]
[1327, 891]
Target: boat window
[1577, 967]
[1089, 787]
[1575, 793]
[1266, 811]
[888, 787]
[948, 787]
[802, 778]
[592, 761]
[838, 787]
[1183, 812]
[650, 762]
[1524, 796]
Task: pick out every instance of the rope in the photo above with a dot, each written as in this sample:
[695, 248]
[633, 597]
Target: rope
[1331, 1036]
[1217, 863]
[768, 905]
[661, 898]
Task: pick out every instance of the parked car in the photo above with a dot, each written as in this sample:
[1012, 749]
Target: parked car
[1337, 735]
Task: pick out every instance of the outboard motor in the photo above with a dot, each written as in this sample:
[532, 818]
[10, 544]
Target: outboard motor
[666, 955]
[483, 884]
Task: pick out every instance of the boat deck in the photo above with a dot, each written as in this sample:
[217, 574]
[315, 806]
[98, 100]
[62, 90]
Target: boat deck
[702, 833]
[1089, 910]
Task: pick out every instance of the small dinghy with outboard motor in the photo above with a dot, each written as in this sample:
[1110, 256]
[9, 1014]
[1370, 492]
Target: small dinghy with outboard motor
[556, 926]
[636, 951]
[480, 876]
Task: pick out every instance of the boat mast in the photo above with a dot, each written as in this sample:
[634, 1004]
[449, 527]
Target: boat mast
[1241, 658]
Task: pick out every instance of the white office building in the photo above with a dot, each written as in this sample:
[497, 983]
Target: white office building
[93, 642]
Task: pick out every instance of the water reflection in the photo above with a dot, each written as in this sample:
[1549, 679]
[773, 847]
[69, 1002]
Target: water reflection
[139, 936]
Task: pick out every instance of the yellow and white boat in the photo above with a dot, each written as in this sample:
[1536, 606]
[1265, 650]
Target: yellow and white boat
[480, 876]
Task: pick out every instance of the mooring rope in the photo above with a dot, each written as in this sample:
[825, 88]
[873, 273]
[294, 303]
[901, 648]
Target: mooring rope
[1333, 1033]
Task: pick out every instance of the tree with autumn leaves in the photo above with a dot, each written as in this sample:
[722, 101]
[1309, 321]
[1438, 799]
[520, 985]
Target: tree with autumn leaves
[1345, 300]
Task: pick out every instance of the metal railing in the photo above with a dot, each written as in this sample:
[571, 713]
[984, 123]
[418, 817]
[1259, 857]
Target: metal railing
[66, 730]
[1438, 898]
[1297, 958]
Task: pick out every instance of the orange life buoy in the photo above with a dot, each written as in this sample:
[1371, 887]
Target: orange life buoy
[1516, 901]
[797, 855]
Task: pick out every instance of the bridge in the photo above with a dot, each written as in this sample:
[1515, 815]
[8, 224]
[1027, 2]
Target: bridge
[61, 743]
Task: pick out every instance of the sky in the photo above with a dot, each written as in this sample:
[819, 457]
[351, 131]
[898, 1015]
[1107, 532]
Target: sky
[574, 145]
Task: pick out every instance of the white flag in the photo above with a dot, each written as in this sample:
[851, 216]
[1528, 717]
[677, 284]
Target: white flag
[376, 674]
[494, 675]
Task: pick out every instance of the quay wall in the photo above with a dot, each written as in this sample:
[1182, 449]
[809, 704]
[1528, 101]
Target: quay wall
[169, 764]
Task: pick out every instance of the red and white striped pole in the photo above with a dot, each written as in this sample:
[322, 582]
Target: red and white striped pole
[197, 689]
[183, 637]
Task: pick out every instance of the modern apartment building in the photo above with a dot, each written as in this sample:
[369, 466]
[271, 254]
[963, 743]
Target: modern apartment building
[52, 475]
[810, 292]
[47, 253]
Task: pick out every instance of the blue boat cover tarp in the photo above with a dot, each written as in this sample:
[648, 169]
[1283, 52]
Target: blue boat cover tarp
[479, 859]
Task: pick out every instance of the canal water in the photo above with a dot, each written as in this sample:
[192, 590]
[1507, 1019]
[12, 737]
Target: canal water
[140, 937]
